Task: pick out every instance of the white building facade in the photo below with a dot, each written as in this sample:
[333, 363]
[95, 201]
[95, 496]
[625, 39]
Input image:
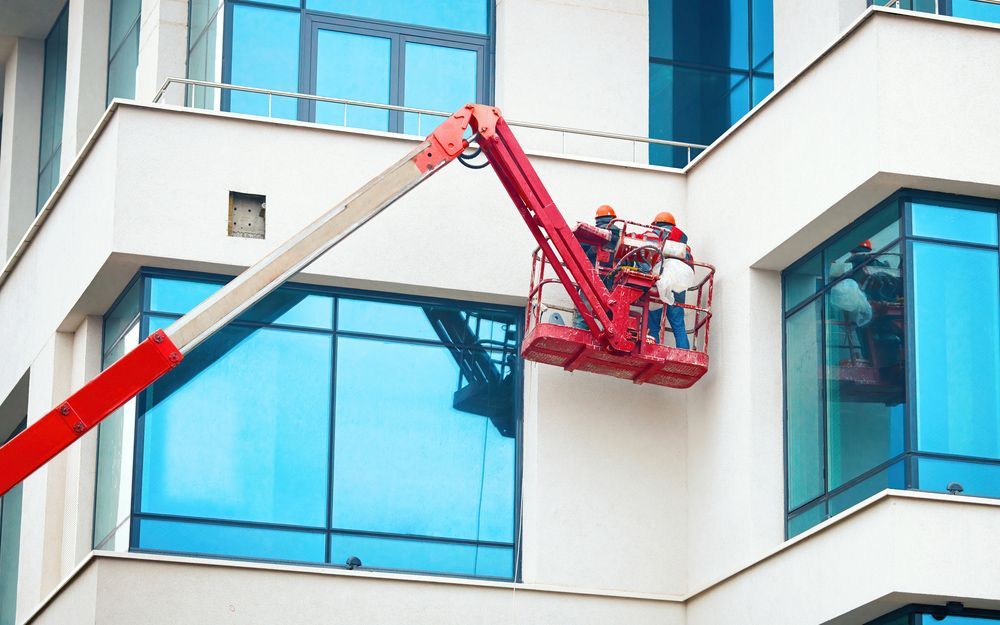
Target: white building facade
[334, 456]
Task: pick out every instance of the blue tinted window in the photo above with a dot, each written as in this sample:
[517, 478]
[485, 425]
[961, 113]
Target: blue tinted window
[957, 224]
[231, 540]
[763, 35]
[265, 54]
[709, 32]
[199, 457]
[892, 477]
[123, 48]
[976, 10]
[467, 15]
[401, 413]
[124, 313]
[976, 478]
[803, 520]
[352, 67]
[957, 328]
[433, 556]
[802, 281]
[418, 437]
[53, 100]
[804, 407]
[438, 78]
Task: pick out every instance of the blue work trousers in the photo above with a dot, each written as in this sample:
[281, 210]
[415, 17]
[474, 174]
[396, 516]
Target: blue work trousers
[675, 317]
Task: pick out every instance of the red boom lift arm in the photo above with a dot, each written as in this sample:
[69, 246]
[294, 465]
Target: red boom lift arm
[165, 349]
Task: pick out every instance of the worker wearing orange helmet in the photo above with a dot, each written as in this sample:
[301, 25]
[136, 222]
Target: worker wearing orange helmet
[668, 231]
[604, 218]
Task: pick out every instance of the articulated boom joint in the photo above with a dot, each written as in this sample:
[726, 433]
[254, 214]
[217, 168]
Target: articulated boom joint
[448, 141]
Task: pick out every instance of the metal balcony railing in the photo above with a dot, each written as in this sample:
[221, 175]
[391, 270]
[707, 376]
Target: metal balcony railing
[570, 141]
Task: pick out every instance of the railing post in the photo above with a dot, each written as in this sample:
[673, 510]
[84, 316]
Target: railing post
[689, 154]
[269, 105]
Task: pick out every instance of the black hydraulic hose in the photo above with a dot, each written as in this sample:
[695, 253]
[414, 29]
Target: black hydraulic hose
[466, 159]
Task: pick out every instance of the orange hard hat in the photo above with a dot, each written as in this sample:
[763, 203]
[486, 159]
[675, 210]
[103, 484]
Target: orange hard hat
[665, 217]
[605, 211]
[867, 244]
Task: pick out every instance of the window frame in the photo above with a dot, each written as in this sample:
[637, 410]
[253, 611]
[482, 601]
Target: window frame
[113, 53]
[905, 240]
[399, 33]
[54, 158]
[144, 276]
[915, 609]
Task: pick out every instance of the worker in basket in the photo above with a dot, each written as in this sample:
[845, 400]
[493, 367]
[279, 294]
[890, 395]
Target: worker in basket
[676, 277]
[601, 256]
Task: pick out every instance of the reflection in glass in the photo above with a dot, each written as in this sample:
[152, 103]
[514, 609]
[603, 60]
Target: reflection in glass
[802, 281]
[198, 457]
[352, 67]
[438, 78]
[804, 396]
[957, 329]
[53, 101]
[405, 450]
[873, 233]
[801, 521]
[976, 10]
[265, 54]
[892, 477]
[865, 347]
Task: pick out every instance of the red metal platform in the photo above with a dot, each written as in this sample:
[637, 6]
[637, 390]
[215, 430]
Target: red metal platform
[576, 350]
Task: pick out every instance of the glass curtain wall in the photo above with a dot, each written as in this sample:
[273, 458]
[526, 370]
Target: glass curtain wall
[53, 101]
[892, 357]
[324, 426]
[435, 56]
[10, 539]
[710, 63]
[982, 10]
[123, 48]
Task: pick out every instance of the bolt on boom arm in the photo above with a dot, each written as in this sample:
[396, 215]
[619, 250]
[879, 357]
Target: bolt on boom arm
[165, 349]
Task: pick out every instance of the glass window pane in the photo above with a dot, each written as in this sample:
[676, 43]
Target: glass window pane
[53, 98]
[201, 66]
[423, 555]
[976, 478]
[374, 317]
[957, 317]
[803, 398]
[762, 87]
[121, 70]
[230, 540]
[124, 14]
[976, 10]
[412, 441]
[265, 54]
[802, 281]
[10, 538]
[870, 234]
[893, 476]
[708, 32]
[811, 516]
[352, 67]
[763, 35]
[293, 307]
[227, 437]
[693, 105]
[168, 295]
[956, 224]
[467, 15]
[438, 78]
[123, 314]
[866, 373]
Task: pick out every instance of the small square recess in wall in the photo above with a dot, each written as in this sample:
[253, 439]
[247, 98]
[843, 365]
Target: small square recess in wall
[247, 215]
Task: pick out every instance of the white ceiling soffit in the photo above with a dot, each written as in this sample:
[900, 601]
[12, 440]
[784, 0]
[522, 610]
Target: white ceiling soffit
[28, 18]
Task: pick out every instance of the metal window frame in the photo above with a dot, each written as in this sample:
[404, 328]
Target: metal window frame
[136, 515]
[915, 609]
[903, 199]
[311, 20]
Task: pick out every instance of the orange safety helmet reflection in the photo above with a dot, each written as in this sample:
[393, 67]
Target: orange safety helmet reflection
[867, 244]
[664, 217]
[605, 211]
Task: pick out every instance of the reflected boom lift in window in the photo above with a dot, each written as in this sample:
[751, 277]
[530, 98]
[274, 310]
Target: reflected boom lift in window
[612, 305]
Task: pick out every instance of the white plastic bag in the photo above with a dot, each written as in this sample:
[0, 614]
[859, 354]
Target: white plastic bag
[677, 276]
[848, 297]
